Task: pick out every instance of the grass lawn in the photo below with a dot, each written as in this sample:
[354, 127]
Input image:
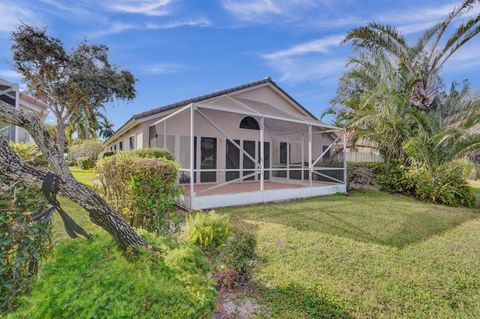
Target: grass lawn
[368, 255]
[76, 212]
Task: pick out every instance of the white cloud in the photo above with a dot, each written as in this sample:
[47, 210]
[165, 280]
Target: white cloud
[322, 45]
[308, 60]
[164, 68]
[146, 7]
[257, 10]
[12, 15]
[306, 69]
[119, 27]
[465, 59]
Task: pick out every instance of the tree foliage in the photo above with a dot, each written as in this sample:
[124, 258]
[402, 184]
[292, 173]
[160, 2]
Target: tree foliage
[75, 84]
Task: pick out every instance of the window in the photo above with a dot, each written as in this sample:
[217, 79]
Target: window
[131, 142]
[120, 146]
[208, 159]
[115, 147]
[249, 123]
[327, 155]
[283, 153]
[232, 160]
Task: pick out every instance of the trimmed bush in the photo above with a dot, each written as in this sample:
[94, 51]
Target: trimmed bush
[30, 153]
[394, 179]
[143, 189]
[23, 242]
[86, 148]
[94, 279]
[153, 152]
[84, 163]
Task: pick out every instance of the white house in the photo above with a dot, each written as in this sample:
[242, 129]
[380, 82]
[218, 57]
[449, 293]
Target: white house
[10, 94]
[248, 144]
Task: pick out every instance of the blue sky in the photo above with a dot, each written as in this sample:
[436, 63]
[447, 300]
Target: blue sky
[179, 49]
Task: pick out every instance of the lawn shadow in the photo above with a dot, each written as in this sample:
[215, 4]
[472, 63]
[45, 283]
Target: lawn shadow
[294, 301]
[381, 218]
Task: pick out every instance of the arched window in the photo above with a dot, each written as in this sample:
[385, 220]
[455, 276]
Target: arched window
[249, 123]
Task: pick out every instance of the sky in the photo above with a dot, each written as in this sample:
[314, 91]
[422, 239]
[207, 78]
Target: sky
[178, 49]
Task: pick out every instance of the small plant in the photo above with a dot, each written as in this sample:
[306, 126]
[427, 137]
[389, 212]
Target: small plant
[230, 249]
[84, 162]
[207, 230]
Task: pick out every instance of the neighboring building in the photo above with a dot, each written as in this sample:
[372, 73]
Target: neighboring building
[363, 151]
[218, 138]
[10, 94]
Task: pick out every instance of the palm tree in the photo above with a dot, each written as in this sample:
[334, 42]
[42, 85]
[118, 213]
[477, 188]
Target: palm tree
[447, 132]
[106, 128]
[423, 60]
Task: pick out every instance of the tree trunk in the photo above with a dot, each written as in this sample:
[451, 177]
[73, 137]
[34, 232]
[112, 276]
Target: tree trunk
[99, 211]
[60, 134]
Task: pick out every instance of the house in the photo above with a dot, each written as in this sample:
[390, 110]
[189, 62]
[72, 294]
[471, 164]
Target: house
[248, 144]
[10, 94]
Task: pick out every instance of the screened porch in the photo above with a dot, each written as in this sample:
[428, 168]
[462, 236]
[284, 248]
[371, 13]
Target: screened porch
[241, 151]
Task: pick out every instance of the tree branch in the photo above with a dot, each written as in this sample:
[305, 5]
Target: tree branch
[99, 211]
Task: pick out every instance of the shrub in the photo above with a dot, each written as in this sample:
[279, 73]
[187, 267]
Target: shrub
[239, 255]
[363, 175]
[94, 279]
[444, 185]
[23, 242]
[143, 189]
[230, 249]
[394, 179]
[153, 152]
[30, 153]
[207, 230]
[84, 163]
[86, 148]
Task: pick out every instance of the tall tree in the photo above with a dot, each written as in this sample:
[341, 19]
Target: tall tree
[422, 60]
[79, 81]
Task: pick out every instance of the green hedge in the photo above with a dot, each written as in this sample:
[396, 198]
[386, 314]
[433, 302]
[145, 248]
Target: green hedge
[153, 152]
[94, 279]
[143, 189]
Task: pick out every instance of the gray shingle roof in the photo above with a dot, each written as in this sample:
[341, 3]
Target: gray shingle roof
[210, 96]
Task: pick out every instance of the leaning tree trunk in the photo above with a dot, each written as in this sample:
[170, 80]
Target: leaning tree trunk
[11, 165]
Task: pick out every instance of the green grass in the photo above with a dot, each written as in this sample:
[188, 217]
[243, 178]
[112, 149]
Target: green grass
[368, 255]
[84, 176]
[76, 212]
